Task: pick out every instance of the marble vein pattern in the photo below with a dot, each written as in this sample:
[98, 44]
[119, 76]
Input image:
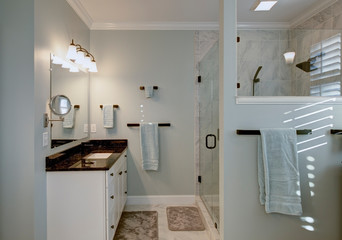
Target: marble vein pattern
[138, 225]
[163, 231]
[183, 218]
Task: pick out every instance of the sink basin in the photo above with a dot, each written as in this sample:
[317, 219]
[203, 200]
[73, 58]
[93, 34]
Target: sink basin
[97, 155]
[96, 160]
[94, 163]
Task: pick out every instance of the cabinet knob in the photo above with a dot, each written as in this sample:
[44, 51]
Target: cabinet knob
[112, 197]
[120, 172]
[125, 192]
[112, 174]
[112, 227]
[125, 155]
[126, 171]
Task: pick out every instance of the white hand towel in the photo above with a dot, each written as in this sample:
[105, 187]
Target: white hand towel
[149, 146]
[148, 91]
[68, 121]
[108, 116]
[278, 172]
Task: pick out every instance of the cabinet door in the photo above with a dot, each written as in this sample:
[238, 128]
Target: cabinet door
[117, 200]
[124, 181]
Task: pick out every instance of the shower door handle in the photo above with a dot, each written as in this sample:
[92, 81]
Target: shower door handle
[207, 142]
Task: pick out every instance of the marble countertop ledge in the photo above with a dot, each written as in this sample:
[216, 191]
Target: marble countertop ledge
[65, 160]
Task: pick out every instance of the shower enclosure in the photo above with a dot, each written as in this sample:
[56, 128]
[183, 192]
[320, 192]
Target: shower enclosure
[208, 95]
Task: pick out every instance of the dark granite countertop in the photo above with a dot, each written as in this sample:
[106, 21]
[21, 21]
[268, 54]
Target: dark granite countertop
[68, 160]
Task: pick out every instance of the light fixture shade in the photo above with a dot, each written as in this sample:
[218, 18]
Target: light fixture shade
[263, 5]
[66, 65]
[93, 67]
[56, 60]
[72, 53]
[289, 57]
[86, 62]
[80, 58]
[74, 69]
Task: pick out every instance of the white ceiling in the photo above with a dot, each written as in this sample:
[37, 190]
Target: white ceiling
[186, 14]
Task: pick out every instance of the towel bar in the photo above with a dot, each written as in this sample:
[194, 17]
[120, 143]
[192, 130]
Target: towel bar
[154, 87]
[257, 132]
[114, 106]
[138, 124]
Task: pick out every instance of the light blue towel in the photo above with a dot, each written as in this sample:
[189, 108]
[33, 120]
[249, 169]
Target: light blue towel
[278, 172]
[68, 120]
[108, 116]
[148, 91]
[149, 142]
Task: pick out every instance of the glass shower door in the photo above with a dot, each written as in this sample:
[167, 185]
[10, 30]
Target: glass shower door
[208, 133]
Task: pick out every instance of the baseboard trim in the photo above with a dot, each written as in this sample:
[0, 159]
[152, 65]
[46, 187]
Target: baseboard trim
[161, 199]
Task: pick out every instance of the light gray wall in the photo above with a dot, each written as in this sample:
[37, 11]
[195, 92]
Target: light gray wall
[17, 120]
[244, 217]
[29, 31]
[127, 60]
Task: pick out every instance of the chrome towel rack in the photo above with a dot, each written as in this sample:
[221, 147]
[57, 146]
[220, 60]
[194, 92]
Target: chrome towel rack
[257, 132]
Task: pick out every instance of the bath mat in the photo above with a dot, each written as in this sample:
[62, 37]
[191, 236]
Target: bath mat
[184, 219]
[141, 225]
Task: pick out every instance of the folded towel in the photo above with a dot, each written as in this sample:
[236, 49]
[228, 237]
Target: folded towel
[149, 146]
[108, 116]
[68, 121]
[278, 172]
[148, 91]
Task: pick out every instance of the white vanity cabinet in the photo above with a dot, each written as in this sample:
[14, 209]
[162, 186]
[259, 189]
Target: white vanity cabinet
[86, 205]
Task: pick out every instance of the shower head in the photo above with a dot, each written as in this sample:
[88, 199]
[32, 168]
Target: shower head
[308, 66]
[255, 79]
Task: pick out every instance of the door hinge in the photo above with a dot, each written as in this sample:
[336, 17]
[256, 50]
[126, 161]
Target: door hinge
[199, 79]
[199, 179]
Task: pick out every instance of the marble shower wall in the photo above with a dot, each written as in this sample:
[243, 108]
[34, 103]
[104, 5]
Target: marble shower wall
[258, 47]
[321, 26]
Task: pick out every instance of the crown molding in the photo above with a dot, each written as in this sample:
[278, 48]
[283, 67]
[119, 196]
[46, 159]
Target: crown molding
[156, 26]
[262, 25]
[81, 12]
[311, 12]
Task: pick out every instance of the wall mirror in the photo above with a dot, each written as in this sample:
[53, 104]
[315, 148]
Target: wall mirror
[68, 85]
[308, 30]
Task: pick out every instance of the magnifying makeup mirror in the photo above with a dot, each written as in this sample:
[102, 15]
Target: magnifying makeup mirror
[60, 105]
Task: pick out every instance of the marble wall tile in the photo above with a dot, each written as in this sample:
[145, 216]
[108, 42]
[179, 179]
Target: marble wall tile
[337, 8]
[269, 50]
[337, 22]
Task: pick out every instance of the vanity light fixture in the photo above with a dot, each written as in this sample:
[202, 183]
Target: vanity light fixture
[79, 55]
[263, 5]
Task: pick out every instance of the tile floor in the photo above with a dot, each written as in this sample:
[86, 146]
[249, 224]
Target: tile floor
[164, 232]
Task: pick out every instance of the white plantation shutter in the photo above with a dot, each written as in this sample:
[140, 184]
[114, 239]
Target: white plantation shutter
[327, 65]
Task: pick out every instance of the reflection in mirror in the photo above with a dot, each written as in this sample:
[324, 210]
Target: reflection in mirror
[72, 83]
[308, 31]
[60, 105]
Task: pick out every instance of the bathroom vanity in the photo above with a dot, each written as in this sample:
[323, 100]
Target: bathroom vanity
[86, 190]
